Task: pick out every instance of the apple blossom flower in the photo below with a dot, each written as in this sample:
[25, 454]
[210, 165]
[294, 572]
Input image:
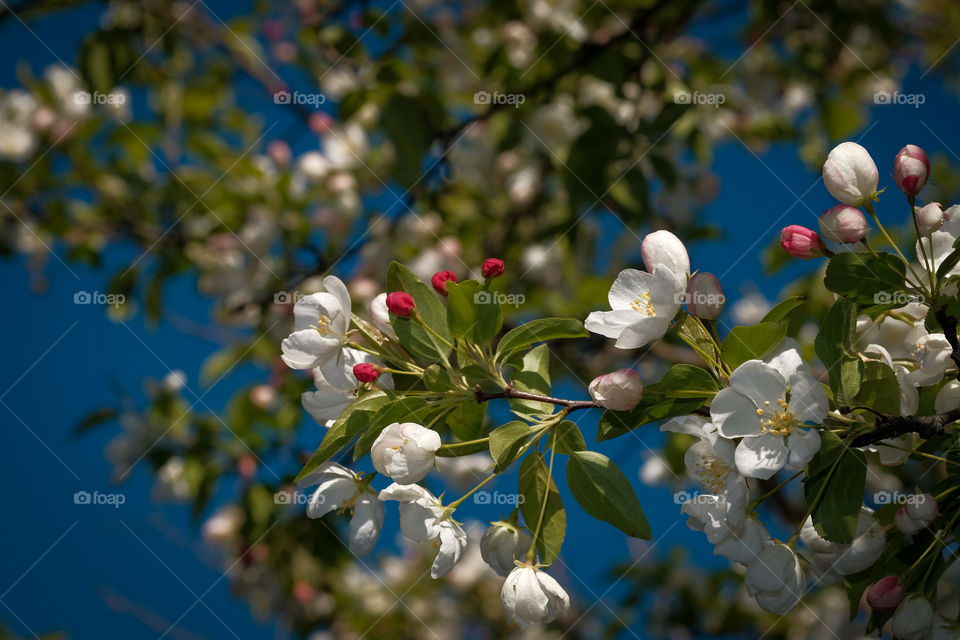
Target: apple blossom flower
[843, 223]
[405, 452]
[801, 242]
[620, 390]
[909, 395]
[930, 218]
[911, 168]
[341, 488]
[948, 398]
[917, 513]
[423, 518]
[933, 355]
[531, 596]
[400, 303]
[492, 268]
[321, 321]
[845, 559]
[662, 247]
[440, 279]
[643, 306]
[850, 174]
[711, 460]
[366, 372]
[757, 408]
[885, 594]
[704, 296]
[380, 315]
[501, 544]
[337, 386]
[775, 579]
[913, 619]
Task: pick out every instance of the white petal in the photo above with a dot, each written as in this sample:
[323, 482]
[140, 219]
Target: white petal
[330, 495]
[452, 543]
[690, 425]
[808, 400]
[760, 382]
[761, 457]
[365, 524]
[307, 349]
[339, 291]
[406, 493]
[609, 323]
[803, 445]
[734, 414]
[643, 331]
[629, 284]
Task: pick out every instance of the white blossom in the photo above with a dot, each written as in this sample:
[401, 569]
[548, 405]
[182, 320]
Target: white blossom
[423, 518]
[530, 596]
[341, 488]
[321, 321]
[405, 451]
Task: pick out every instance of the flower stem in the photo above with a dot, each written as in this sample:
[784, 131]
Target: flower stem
[543, 503]
[456, 503]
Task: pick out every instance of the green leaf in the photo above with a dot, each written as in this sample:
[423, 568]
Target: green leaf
[879, 388]
[506, 441]
[784, 309]
[749, 343]
[569, 438]
[865, 279]
[436, 378]
[539, 331]
[472, 314]
[533, 377]
[605, 493]
[693, 332]
[685, 381]
[412, 336]
[350, 423]
[535, 482]
[839, 477]
[616, 423]
[466, 420]
[835, 348]
[948, 264]
[97, 417]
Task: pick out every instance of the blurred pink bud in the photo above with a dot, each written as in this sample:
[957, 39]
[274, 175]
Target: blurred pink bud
[263, 396]
[620, 390]
[320, 122]
[917, 514]
[843, 223]
[279, 152]
[911, 168]
[885, 594]
[704, 297]
[801, 242]
[930, 218]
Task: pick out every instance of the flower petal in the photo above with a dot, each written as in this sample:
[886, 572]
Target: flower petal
[761, 457]
[735, 415]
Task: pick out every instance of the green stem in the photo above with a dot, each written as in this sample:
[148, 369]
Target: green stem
[927, 261]
[456, 503]
[873, 214]
[756, 503]
[543, 503]
[819, 497]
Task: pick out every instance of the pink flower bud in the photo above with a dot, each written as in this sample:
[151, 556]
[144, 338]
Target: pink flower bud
[843, 223]
[917, 514]
[850, 174]
[911, 168]
[439, 281]
[885, 594]
[400, 303]
[366, 372]
[279, 152]
[801, 242]
[704, 297]
[492, 268]
[263, 396]
[620, 390]
[930, 218]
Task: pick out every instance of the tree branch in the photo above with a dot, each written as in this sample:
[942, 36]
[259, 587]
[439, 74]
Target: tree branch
[949, 325]
[893, 426]
[510, 392]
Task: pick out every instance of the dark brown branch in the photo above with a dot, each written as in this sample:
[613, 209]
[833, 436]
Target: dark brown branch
[510, 392]
[893, 426]
[949, 325]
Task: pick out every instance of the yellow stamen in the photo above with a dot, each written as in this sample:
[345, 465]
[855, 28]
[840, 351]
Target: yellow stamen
[641, 304]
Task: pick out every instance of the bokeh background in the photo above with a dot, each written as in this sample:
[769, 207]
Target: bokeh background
[81, 207]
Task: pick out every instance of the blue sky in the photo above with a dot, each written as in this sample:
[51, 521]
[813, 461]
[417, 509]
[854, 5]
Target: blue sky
[65, 561]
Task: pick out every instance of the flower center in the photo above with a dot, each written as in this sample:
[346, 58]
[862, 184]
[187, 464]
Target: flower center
[712, 472]
[323, 325]
[777, 421]
[641, 304]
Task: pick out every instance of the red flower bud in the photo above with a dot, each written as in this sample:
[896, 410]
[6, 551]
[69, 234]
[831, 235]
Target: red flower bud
[366, 372]
[439, 281]
[885, 594]
[911, 168]
[492, 267]
[400, 303]
[801, 242]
